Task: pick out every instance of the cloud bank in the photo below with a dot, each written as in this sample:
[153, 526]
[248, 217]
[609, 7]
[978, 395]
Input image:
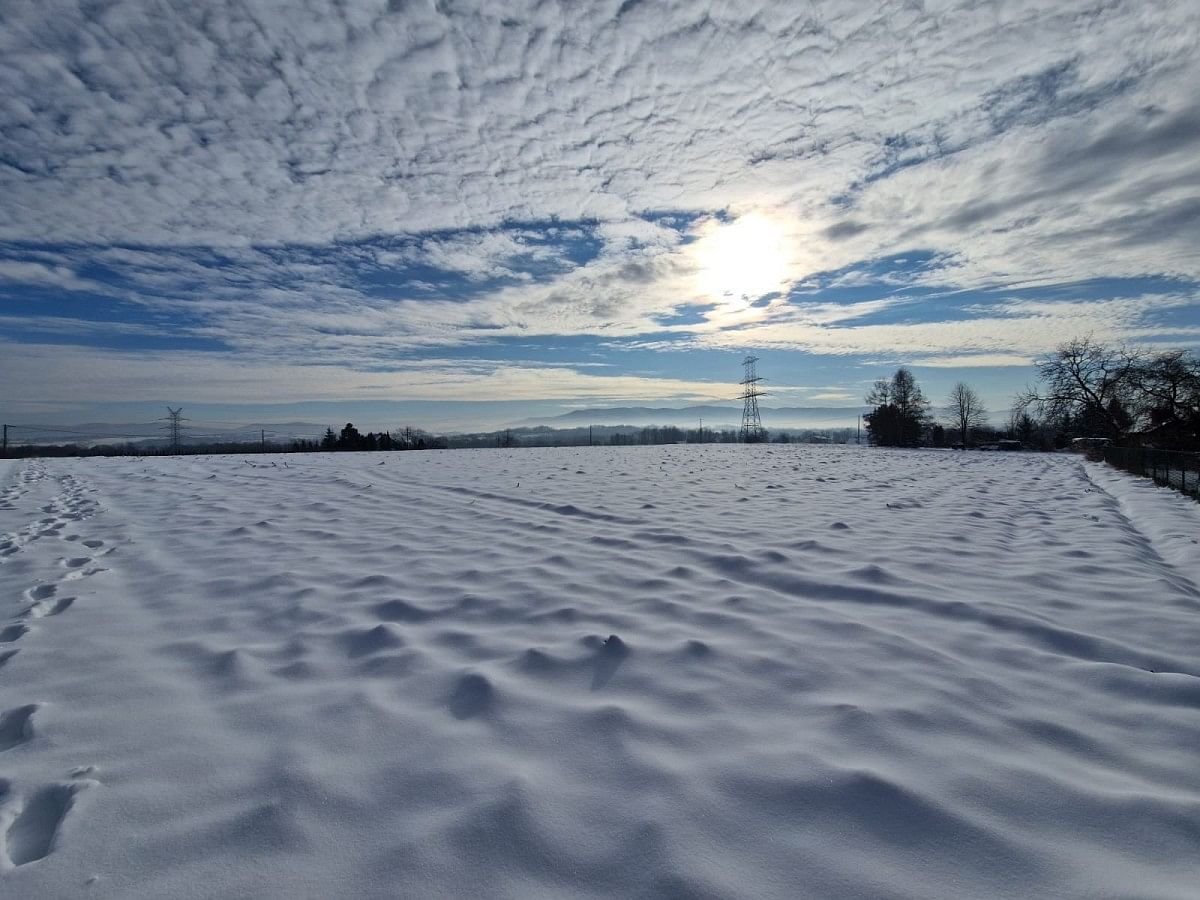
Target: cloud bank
[362, 185]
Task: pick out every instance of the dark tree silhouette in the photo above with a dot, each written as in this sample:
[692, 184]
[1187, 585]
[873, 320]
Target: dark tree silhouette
[350, 439]
[1089, 385]
[1128, 396]
[1169, 387]
[900, 411]
[1022, 426]
[966, 410]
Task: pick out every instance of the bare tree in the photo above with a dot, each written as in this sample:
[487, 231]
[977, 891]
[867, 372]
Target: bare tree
[1089, 384]
[966, 410]
[1170, 385]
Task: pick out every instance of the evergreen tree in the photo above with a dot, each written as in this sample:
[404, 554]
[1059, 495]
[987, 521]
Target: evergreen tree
[900, 411]
[350, 438]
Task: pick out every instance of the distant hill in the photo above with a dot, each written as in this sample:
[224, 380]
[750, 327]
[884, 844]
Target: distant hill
[713, 416]
[153, 435]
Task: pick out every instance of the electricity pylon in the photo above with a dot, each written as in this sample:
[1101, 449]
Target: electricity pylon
[752, 427]
[174, 426]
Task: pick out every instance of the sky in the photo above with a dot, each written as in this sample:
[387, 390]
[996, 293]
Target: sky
[473, 212]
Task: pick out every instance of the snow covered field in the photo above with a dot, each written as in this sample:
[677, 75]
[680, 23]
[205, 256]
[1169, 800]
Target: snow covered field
[718, 671]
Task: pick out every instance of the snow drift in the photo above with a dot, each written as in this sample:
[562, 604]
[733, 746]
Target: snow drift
[763, 671]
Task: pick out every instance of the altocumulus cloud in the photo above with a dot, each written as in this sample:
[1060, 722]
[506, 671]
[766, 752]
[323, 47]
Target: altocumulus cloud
[360, 186]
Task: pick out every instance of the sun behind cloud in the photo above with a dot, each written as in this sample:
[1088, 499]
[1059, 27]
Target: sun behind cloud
[740, 261]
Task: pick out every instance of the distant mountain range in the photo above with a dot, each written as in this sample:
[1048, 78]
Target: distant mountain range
[153, 434]
[713, 416]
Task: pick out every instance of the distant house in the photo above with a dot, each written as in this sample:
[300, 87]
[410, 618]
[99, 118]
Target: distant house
[1170, 435]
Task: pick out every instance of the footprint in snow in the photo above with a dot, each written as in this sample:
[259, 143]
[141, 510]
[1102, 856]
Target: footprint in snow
[76, 574]
[16, 726]
[472, 696]
[13, 633]
[34, 831]
[43, 609]
[42, 592]
[610, 653]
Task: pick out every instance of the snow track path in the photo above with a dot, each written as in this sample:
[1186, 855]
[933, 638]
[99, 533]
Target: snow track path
[641, 672]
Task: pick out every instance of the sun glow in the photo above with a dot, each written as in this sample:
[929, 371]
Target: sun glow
[740, 261]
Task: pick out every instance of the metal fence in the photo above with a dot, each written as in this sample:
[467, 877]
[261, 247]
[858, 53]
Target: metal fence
[1169, 468]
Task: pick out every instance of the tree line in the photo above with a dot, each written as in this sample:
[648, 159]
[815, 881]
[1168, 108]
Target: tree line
[350, 438]
[1086, 389]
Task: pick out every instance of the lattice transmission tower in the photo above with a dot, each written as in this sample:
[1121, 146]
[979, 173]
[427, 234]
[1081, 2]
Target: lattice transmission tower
[174, 427]
[752, 427]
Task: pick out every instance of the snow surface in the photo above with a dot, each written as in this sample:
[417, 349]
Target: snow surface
[1165, 516]
[764, 671]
